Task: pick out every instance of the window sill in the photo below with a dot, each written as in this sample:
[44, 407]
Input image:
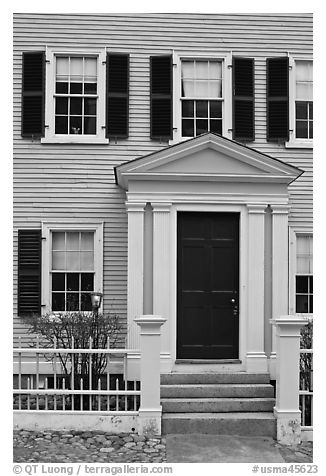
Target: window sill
[74, 140]
[297, 144]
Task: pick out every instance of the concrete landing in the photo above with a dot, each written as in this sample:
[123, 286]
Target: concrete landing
[199, 448]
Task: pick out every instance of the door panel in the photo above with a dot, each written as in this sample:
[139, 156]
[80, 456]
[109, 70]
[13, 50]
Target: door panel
[208, 285]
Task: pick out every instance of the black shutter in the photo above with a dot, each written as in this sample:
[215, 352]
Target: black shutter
[29, 272]
[117, 95]
[278, 99]
[161, 97]
[33, 94]
[243, 99]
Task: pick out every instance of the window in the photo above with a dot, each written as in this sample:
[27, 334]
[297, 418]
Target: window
[72, 270]
[303, 100]
[75, 97]
[201, 96]
[301, 103]
[304, 278]
[72, 263]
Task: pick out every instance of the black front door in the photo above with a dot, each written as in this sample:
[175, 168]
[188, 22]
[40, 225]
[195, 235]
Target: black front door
[208, 285]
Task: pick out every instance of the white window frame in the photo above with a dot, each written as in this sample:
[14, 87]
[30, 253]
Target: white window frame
[293, 141]
[50, 136]
[47, 229]
[293, 233]
[226, 59]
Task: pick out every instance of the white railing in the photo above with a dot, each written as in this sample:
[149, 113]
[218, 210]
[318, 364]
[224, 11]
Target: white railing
[306, 389]
[75, 399]
[70, 391]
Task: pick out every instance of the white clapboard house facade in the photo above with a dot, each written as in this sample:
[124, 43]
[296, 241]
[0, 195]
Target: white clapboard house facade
[165, 160]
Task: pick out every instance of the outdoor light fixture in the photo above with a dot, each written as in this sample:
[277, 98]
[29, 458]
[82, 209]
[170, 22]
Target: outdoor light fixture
[96, 298]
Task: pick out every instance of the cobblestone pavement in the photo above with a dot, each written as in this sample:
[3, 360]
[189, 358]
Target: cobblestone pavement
[72, 446]
[86, 447]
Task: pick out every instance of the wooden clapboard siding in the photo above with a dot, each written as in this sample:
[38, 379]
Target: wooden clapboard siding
[51, 179]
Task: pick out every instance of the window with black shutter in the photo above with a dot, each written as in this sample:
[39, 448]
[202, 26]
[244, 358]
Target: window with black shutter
[29, 272]
[161, 97]
[243, 99]
[33, 90]
[117, 97]
[278, 99]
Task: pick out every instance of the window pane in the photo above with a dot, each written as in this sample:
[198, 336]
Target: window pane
[86, 302]
[90, 69]
[58, 281]
[87, 281]
[58, 240]
[215, 70]
[76, 69]
[187, 128]
[90, 88]
[72, 303]
[187, 69]
[201, 68]
[61, 106]
[302, 303]
[216, 126]
[215, 89]
[201, 89]
[311, 309]
[304, 91]
[61, 125]
[202, 109]
[311, 287]
[87, 241]
[76, 88]
[73, 260]
[187, 108]
[301, 110]
[58, 301]
[87, 260]
[311, 132]
[72, 241]
[302, 284]
[76, 106]
[188, 89]
[302, 129]
[75, 125]
[72, 281]
[90, 125]
[90, 107]
[62, 68]
[201, 126]
[310, 110]
[215, 109]
[58, 260]
[61, 88]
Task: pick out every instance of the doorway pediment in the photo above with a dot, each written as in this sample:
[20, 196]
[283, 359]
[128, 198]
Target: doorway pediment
[208, 157]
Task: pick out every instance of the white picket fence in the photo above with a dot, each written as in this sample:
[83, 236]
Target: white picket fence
[68, 400]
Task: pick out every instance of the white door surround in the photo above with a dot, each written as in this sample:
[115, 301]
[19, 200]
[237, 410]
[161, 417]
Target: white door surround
[206, 174]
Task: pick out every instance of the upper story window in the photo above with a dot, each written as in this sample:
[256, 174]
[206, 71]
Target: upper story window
[300, 103]
[76, 95]
[201, 97]
[303, 100]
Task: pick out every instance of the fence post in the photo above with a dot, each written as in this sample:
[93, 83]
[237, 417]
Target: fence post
[286, 410]
[150, 410]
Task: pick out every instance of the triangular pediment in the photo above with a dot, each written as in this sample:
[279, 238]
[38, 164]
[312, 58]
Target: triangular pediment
[208, 157]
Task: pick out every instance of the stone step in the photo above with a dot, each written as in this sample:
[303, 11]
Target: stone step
[221, 405]
[241, 424]
[213, 377]
[217, 391]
